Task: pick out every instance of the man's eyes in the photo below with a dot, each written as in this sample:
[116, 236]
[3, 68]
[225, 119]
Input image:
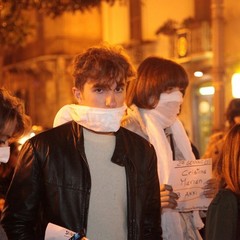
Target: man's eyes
[101, 90]
[98, 90]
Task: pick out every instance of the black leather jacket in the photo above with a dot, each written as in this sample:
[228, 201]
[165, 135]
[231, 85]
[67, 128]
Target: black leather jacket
[52, 184]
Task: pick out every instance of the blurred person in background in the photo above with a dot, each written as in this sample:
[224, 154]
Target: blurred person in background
[214, 147]
[13, 124]
[89, 174]
[154, 101]
[223, 216]
[6, 172]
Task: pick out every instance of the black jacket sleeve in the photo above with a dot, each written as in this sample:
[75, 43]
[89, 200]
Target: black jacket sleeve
[22, 201]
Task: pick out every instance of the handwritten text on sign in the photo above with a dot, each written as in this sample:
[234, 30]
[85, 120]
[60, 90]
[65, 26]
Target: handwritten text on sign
[187, 179]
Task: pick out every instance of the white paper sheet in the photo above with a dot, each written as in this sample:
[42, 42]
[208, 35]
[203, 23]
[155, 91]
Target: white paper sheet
[188, 179]
[55, 232]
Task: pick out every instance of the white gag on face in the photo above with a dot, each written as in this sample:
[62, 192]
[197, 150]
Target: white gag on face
[169, 105]
[4, 154]
[95, 119]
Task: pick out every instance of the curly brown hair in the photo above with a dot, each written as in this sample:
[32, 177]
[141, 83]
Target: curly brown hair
[104, 63]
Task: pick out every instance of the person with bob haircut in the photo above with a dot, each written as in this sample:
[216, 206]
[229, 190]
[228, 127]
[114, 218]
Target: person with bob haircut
[13, 124]
[223, 216]
[154, 99]
[88, 174]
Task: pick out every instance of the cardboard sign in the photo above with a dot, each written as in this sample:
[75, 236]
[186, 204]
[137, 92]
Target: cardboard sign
[187, 179]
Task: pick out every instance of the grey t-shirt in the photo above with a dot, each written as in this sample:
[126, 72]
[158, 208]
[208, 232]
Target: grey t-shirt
[107, 218]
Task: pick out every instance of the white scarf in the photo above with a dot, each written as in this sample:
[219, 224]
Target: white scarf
[156, 120]
[4, 154]
[95, 119]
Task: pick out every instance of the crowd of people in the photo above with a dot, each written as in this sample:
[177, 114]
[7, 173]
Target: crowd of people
[103, 170]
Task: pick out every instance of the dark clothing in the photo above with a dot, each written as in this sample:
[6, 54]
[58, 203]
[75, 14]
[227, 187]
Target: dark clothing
[195, 151]
[5, 178]
[52, 183]
[3, 235]
[223, 218]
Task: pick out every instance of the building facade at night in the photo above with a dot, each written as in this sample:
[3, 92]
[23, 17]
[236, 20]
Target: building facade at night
[200, 35]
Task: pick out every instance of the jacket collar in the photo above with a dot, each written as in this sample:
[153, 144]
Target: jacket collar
[120, 153]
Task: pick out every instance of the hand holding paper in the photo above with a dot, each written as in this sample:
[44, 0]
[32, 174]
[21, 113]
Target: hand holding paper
[55, 232]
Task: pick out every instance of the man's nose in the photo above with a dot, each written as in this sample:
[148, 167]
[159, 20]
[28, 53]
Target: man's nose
[111, 101]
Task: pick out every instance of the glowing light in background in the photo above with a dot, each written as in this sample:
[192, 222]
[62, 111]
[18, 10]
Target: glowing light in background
[26, 137]
[236, 85]
[207, 90]
[204, 107]
[198, 74]
[35, 130]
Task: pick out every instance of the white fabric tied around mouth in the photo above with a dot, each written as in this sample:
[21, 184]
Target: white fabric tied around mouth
[95, 119]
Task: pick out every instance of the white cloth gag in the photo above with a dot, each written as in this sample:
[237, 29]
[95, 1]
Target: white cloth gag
[95, 119]
[4, 154]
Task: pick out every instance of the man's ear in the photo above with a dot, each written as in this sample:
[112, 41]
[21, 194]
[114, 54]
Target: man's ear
[77, 94]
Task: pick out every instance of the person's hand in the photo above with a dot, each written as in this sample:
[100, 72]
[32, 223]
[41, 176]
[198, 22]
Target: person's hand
[168, 197]
[210, 188]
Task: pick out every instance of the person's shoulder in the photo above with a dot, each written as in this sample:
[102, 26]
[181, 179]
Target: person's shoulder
[135, 146]
[130, 132]
[54, 134]
[217, 136]
[131, 117]
[133, 121]
[133, 137]
[225, 197]
[57, 129]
